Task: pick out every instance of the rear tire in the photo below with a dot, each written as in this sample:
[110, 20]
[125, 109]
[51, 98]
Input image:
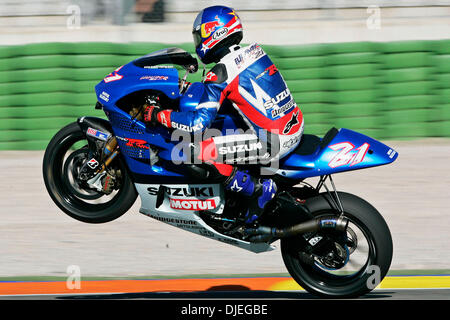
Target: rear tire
[90, 208]
[324, 283]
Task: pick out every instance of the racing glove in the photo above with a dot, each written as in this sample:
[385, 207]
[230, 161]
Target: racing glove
[151, 115]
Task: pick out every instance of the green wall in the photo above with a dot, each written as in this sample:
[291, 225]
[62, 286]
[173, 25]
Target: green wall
[396, 90]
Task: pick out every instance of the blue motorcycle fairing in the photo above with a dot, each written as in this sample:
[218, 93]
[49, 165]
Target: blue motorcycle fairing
[133, 137]
[130, 78]
[348, 150]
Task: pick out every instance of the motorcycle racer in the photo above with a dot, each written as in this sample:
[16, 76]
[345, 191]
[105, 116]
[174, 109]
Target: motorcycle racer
[248, 79]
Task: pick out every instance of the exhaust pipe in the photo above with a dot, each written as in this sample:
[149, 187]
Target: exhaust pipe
[263, 234]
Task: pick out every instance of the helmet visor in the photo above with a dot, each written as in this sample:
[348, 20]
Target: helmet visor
[196, 29]
[197, 37]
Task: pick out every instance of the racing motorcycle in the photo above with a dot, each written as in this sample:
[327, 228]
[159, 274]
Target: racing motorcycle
[332, 242]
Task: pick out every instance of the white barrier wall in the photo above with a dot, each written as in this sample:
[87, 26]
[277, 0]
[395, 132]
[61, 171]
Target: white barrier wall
[193, 5]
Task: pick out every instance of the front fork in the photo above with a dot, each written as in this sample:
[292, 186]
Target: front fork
[98, 177]
[103, 150]
[109, 153]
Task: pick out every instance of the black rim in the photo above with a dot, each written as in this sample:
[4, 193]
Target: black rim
[72, 166]
[320, 277]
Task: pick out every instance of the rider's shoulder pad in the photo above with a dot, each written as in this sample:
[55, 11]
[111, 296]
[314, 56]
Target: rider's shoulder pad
[218, 74]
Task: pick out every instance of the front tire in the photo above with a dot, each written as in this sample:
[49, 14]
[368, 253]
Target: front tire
[329, 281]
[83, 204]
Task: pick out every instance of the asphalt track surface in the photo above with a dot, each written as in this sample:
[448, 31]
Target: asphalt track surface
[406, 287]
[379, 294]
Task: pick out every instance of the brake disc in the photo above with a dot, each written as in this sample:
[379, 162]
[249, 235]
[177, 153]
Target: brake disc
[334, 259]
[71, 173]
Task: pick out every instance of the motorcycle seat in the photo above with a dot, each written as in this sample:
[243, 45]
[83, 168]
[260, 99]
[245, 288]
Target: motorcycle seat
[309, 143]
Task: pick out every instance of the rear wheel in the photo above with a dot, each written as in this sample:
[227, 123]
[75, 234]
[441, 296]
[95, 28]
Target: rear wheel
[64, 157]
[340, 264]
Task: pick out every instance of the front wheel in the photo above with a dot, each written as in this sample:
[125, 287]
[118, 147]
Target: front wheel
[335, 264]
[64, 157]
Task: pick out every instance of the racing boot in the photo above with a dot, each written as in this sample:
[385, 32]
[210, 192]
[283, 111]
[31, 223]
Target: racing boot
[259, 192]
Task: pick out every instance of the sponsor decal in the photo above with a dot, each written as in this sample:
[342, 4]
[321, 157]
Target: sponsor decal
[121, 138]
[249, 159]
[186, 128]
[192, 204]
[163, 116]
[254, 51]
[159, 67]
[185, 192]
[209, 27]
[391, 153]
[346, 156]
[211, 76]
[239, 60]
[240, 148]
[172, 220]
[93, 163]
[292, 141]
[219, 34]
[271, 70]
[113, 76]
[152, 78]
[315, 240]
[136, 143]
[284, 108]
[278, 98]
[104, 96]
[97, 134]
[264, 102]
[291, 123]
